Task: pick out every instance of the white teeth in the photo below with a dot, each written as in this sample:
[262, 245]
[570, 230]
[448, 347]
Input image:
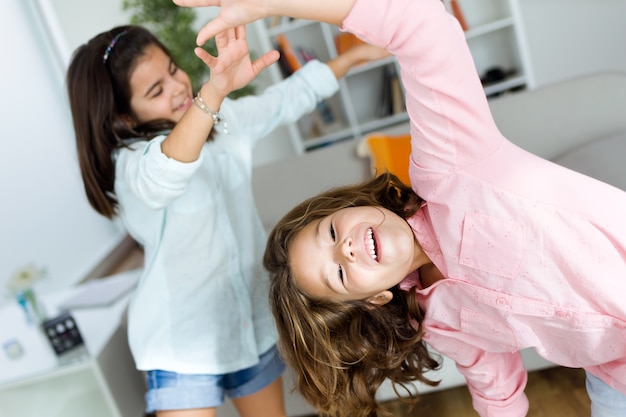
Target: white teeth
[372, 246]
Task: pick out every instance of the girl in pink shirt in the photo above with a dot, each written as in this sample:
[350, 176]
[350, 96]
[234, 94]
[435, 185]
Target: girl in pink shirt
[491, 250]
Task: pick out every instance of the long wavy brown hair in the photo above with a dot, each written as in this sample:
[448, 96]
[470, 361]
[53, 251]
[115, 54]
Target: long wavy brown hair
[342, 352]
[99, 96]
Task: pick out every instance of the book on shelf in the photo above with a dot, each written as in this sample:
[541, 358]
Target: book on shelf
[289, 60]
[324, 119]
[392, 97]
[455, 8]
[397, 95]
[306, 54]
[384, 104]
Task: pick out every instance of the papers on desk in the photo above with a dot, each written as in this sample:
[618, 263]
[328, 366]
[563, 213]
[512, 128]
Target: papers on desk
[37, 356]
[101, 292]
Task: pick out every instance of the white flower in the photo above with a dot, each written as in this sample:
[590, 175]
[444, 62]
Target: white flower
[25, 277]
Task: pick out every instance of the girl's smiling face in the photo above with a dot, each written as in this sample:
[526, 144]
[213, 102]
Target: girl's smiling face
[355, 253]
[159, 89]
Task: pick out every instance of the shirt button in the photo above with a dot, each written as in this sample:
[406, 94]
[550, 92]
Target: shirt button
[561, 314]
[501, 301]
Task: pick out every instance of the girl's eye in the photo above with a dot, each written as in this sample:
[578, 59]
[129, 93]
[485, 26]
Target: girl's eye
[332, 232]
[340, 273]
[173, 68]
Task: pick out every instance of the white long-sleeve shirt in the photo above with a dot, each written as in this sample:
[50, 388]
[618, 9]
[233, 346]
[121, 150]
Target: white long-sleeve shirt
[201, 305]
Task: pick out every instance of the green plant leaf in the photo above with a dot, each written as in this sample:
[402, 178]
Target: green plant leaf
[173, 25]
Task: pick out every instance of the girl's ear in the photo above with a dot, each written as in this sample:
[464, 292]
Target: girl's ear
[381, 298]
[128, 121]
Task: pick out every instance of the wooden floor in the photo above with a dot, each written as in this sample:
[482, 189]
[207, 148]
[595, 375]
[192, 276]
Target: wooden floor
[553, 392]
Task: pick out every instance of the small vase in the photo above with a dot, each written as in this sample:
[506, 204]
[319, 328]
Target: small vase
[32, 307]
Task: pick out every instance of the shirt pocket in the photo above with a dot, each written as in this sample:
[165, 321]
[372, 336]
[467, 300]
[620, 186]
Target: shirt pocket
[492, 245]
[232, 171]
[200, 195]
[489, 334]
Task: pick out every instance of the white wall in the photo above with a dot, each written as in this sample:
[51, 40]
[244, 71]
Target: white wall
[45, 216]
[569, 38]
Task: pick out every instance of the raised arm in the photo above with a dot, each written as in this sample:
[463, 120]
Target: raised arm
[356, 55]
[239, 12]
[230, 70]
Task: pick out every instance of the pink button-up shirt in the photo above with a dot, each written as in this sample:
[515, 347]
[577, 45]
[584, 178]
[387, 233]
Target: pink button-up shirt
[534, 254]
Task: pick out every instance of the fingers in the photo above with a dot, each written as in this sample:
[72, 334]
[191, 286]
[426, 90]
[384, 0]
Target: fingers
[211, 29]
[379, 53]
[222, 38]
[206, 57]
[231, 34]
[196, 3]
[240, 32]
[265, 61]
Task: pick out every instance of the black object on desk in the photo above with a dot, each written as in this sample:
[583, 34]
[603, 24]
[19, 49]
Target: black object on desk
[62, 332]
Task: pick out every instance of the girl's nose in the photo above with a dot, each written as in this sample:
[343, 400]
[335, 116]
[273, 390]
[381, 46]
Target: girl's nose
[180, 86]
[346, 249]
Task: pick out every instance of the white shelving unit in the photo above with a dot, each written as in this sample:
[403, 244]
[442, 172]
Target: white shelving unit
[493, 36]
[355, 105]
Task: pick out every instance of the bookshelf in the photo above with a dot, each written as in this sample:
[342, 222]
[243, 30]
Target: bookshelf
[355, 109]
[370, 97]
[495, 37]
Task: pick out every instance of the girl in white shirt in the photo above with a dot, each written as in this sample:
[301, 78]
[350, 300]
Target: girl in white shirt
[176, 168]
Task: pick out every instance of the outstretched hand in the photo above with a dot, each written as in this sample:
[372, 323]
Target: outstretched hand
[232, 13]
[232, 68]
[240, 12]
[369, 52]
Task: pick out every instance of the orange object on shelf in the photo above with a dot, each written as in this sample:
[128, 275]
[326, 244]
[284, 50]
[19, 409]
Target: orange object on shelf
[390, 153]
[288, 53]
[345, 41]
[458, 13]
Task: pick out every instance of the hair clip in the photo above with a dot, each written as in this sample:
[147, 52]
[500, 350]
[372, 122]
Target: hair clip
[107, 52]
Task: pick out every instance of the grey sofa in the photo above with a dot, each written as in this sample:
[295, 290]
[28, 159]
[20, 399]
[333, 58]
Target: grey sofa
[551, 122]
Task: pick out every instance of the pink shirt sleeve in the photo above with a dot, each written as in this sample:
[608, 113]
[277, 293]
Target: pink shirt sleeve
[496, 381]
[451, 124]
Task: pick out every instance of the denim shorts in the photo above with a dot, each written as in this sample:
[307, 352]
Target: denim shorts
[173, 391]
[605, 401]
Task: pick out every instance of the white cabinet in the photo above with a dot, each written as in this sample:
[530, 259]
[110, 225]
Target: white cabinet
[493, 36]
[99, 380]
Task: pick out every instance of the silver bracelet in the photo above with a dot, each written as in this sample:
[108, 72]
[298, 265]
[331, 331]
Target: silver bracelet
[218, 118]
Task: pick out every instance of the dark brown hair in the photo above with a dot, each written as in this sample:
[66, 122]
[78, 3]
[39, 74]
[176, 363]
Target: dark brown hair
[342, 352]
[99, 95]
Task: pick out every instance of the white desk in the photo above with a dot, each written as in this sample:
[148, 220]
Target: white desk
[98, 381]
